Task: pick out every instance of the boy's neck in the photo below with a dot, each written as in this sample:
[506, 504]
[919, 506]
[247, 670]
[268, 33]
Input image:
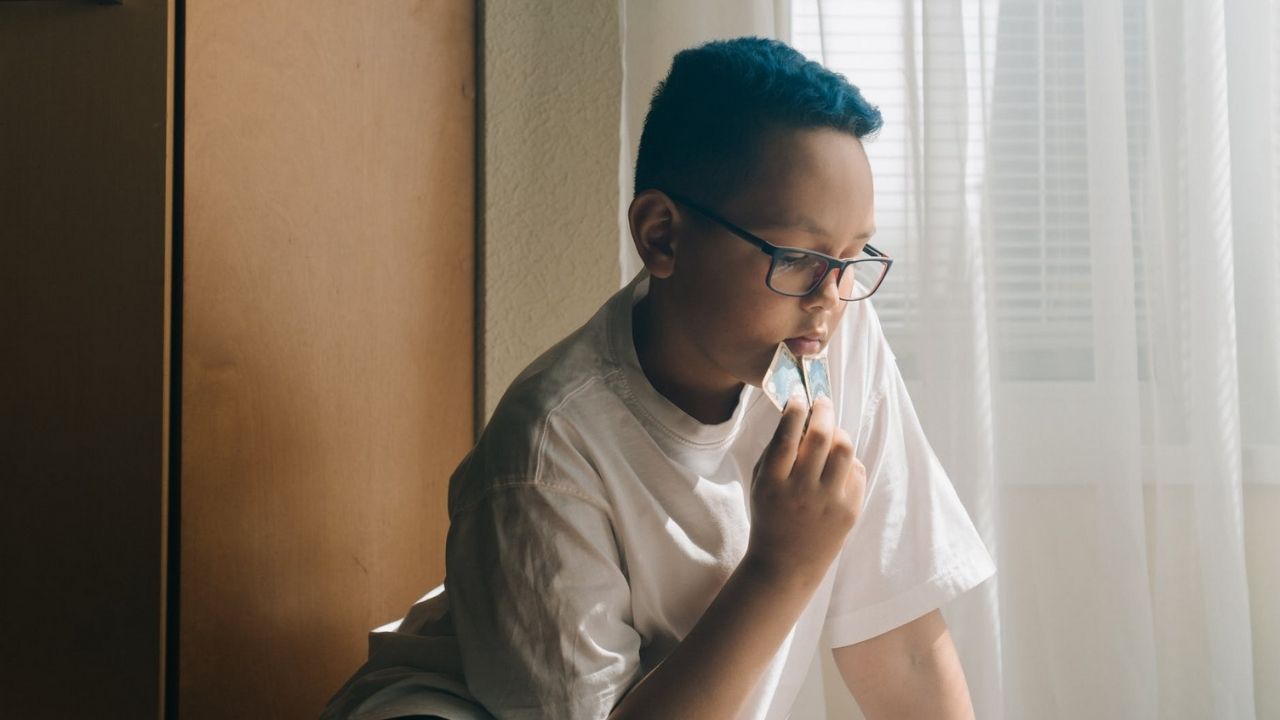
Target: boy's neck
[676, 369]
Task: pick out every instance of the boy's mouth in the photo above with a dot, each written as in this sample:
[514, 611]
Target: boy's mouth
[805, 344]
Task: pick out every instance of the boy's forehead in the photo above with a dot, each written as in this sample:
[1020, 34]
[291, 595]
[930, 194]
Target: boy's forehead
[781, 220]
[817, 182]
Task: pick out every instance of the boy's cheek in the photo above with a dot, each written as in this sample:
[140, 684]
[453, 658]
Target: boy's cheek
[758, 341]
[753, 330]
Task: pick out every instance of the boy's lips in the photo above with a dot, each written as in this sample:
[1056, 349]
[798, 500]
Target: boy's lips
[806, 344]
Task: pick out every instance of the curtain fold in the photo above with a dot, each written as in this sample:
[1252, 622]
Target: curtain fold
[949, 296]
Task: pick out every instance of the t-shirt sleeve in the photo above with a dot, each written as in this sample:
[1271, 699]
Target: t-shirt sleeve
[542, 607]
[913, 547]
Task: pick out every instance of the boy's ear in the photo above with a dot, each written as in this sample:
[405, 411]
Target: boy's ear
[652, 230]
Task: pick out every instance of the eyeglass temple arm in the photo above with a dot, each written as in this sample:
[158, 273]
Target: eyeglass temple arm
[765, 246]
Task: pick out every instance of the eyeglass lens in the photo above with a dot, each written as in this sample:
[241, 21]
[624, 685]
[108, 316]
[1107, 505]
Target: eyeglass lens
[796, 273]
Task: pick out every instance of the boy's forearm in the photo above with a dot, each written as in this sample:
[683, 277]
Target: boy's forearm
[714, 670]
[933, 690]
[911, 672]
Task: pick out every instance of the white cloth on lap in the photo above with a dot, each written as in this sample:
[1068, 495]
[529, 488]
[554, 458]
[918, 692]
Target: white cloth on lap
[413, 669]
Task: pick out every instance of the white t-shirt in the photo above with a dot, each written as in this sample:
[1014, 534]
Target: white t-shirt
[595, 521]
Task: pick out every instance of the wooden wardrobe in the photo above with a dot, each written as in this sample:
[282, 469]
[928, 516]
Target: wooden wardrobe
[237, 313]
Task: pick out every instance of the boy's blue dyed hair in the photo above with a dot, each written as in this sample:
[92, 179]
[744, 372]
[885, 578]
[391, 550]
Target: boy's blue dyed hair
[707, 117]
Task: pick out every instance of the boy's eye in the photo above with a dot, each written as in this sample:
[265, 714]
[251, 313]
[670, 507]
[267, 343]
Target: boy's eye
[796, 273]
[793, 260]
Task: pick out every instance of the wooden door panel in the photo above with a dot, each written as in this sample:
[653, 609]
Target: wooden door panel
[84, 301]
[328, 325]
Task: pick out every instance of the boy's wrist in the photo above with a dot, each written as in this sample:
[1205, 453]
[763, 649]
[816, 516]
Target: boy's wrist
[780, 572]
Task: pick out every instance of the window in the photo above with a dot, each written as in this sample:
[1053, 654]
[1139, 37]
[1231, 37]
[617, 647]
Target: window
[1024, 91]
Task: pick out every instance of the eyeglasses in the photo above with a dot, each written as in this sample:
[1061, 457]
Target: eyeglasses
[797, 272]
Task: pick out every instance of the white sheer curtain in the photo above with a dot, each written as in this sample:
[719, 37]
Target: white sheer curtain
[1082, 197]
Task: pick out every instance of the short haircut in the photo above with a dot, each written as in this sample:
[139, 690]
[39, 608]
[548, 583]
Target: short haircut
[707, 117]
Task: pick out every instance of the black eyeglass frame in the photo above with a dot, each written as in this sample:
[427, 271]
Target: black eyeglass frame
[768, 248]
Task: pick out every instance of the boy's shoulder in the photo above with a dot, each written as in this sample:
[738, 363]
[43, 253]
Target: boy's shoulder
[543, 423]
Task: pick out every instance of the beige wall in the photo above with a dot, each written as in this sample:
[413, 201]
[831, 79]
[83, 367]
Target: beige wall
[552, 78]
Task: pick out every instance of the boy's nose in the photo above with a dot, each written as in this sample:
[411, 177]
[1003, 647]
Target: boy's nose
[827, 294]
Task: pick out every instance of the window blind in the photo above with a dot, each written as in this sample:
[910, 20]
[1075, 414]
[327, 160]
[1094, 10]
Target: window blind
[1026, 167]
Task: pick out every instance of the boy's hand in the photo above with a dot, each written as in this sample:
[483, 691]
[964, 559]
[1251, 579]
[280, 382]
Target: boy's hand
[807, 494]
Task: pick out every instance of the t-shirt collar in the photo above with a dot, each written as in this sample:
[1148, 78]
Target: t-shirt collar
[651, 406]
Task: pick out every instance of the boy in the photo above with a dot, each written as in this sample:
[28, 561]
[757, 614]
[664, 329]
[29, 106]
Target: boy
[638, 533]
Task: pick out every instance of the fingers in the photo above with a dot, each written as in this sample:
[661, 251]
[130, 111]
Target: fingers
[812, 453]
[781, 453]
[840, 460]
